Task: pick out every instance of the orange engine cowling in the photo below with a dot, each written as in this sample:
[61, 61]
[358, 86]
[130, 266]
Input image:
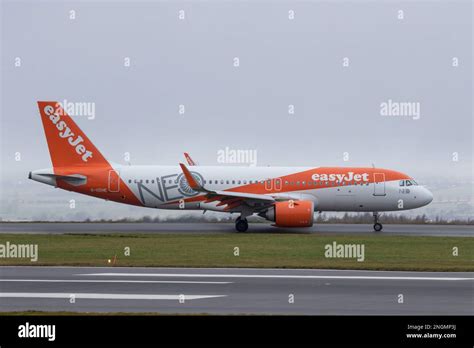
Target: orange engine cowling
[291, 214]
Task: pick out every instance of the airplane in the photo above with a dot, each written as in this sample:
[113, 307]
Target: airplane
[287, 196]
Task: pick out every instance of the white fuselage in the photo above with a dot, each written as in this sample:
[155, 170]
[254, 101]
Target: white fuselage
[164, 187]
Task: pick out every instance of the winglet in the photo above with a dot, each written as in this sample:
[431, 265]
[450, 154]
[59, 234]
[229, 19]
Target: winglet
[189, 159]
[189, 177]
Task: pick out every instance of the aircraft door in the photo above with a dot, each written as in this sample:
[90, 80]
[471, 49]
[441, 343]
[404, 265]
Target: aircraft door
[379, 184]
[114, 181]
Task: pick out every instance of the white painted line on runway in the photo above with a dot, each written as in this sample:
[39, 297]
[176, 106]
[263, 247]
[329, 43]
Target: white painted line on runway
[198, 275]
[110, 281]
[94, 296]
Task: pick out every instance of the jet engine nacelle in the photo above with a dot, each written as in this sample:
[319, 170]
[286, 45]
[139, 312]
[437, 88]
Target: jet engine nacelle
[291, 213]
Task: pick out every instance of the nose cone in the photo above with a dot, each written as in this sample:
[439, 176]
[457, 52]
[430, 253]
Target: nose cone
[426, 197]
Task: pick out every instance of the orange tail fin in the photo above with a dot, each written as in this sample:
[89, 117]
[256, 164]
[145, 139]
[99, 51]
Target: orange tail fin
[68, 145]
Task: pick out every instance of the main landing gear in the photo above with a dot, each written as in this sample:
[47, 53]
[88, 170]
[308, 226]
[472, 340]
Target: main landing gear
[377, 226]
[241, 225]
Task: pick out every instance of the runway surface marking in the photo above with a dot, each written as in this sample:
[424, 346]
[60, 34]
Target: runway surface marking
[251, 291]
[105, 296]
[110, 281]
[287, 276]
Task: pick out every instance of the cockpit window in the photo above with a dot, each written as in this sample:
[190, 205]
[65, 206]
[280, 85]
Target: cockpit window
[408, 183]
[402, 183]
[413, 182]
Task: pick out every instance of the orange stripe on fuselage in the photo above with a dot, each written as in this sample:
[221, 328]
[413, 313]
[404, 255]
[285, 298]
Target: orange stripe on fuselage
[306, 176]
[97, 184]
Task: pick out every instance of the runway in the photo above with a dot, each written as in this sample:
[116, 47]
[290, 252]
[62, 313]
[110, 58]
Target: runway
[215, 228]
[235, 291]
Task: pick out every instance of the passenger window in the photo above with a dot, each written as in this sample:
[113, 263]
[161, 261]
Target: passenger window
[222, 182]
[146, 181]
[153, 181]
[245, 182]
[129, 181]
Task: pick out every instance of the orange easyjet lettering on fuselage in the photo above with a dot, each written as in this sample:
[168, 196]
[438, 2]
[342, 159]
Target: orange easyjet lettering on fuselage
[349, 176]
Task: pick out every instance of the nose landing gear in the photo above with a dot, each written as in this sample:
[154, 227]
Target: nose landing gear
[241, 225]
[377, 226]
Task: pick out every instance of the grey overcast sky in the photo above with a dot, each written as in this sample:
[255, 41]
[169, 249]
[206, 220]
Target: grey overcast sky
[337, 62]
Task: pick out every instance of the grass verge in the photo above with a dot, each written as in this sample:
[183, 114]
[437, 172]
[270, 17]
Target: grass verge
[410, 253]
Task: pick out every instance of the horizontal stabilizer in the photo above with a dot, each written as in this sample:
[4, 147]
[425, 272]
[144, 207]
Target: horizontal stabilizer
[48, 177]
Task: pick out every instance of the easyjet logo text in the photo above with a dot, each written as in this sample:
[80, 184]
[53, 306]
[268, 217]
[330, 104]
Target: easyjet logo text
[66, 133]
[350, 176]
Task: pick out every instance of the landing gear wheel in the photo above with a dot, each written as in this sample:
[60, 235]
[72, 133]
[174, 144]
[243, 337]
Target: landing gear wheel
[241, 225]
[377, 226]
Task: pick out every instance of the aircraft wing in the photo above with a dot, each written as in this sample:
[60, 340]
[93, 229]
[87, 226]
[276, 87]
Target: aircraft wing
[229, 198]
